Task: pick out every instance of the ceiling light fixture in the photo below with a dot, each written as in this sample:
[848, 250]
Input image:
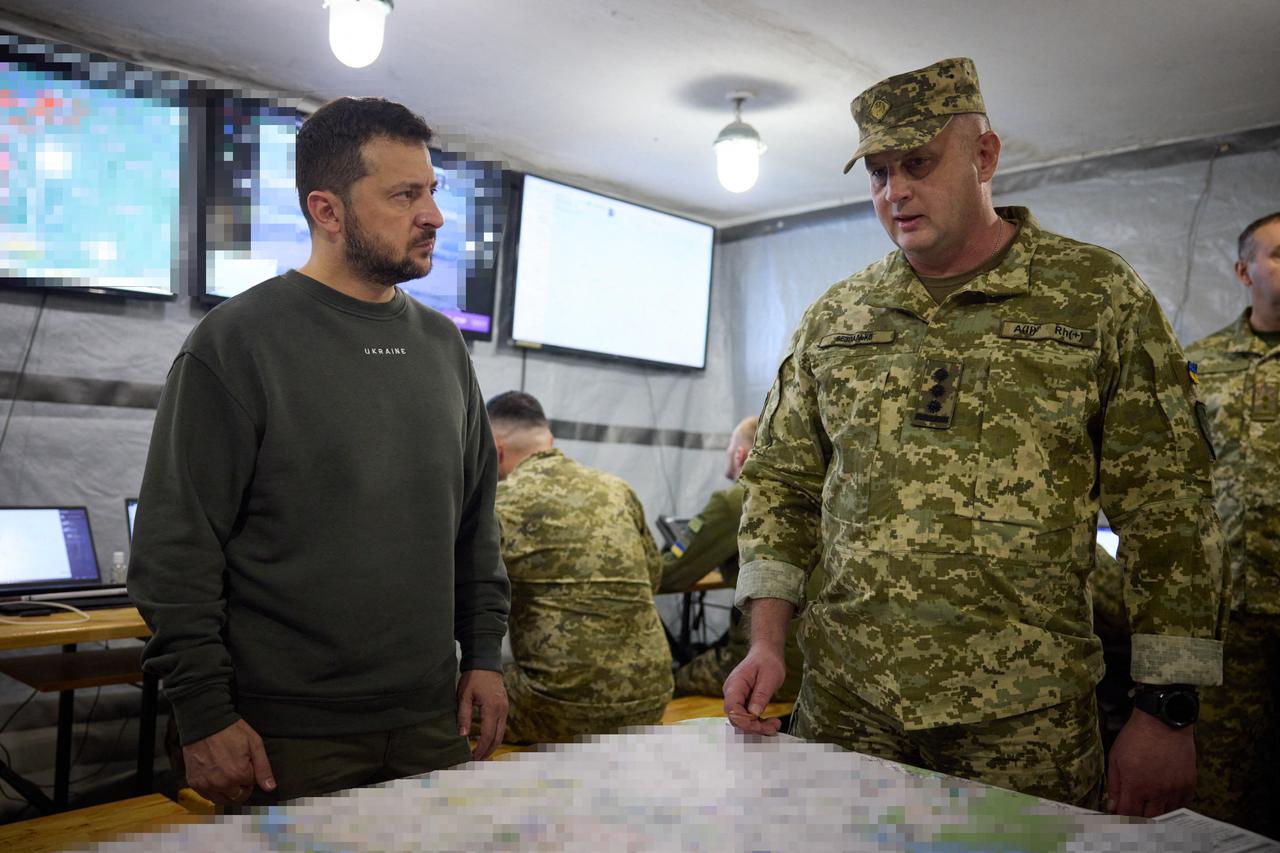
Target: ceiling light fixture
[356, 28]
[738, 150]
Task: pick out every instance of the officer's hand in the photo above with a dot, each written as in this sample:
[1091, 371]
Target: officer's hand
[484, 690]
[1152, 768]
[224, 767]
[750, 686]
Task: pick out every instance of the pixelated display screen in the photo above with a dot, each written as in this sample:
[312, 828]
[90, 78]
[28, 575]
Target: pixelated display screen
[607, 277]
[91, 154]
[254, 229]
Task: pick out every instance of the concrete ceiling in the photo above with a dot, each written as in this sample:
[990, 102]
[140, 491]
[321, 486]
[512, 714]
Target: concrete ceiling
[626, 96]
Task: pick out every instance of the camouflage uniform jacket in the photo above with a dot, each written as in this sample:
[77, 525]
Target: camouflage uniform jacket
[945, 465]
[1240, 385]
[583, 569]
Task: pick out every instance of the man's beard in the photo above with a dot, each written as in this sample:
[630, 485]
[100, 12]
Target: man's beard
[372, 262]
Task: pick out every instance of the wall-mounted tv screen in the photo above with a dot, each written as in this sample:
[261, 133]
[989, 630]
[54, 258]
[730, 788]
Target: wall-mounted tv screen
[254, 228]
[606, 277]
[91, 163]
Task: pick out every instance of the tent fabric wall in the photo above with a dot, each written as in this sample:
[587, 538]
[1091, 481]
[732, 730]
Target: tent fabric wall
[1143, 214]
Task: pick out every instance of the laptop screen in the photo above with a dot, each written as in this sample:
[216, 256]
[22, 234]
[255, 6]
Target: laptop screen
[1109, 540]
[45, 548]
[131, 509]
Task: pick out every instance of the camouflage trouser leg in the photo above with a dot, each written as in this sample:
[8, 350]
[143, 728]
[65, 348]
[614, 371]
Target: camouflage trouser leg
[533, 718]
[705, 674]
[1055, 752]
[1238, 735]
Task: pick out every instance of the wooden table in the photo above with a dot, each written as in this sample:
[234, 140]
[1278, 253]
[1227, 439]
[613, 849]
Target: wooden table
[56, 629]
[67, 630]
[96, 823]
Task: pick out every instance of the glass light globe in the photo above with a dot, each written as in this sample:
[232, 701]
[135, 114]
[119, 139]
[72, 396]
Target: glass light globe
[738, 160]
[356, 28]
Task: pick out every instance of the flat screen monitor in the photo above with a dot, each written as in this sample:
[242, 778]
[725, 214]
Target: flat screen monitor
[131, 512]
[609, 278]
[91, 164]
[254, 227]
[44, 549]
[1109, 540]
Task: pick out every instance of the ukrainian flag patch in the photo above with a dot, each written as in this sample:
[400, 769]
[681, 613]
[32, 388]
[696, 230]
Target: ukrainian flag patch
[677, 548]
[1193, 371]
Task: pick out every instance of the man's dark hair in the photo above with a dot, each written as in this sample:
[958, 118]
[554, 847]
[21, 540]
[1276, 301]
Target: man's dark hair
[327, 153]
[517, 408]
[1245, 245]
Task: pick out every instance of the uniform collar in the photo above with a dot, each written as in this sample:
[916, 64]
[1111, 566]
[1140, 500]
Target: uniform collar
[900, 287]
[1244, 339]
[533, 459]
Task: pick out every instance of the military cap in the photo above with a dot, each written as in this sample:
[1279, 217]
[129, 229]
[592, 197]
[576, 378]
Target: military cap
[908, 110]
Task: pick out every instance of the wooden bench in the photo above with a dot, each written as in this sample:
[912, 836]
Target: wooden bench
[94, 824]
[68, 671]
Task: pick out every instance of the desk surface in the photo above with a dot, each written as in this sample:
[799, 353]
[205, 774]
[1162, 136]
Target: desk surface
[711, 580]
[54, 629]
[95, 824]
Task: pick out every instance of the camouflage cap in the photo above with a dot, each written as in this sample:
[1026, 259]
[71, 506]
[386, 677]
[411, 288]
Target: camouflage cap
[908, 110]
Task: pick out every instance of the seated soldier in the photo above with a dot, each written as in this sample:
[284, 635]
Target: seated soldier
[590, 652]
[712, 543]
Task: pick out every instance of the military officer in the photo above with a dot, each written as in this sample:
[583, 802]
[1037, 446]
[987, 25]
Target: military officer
[590, 652]
[942, 432]
[1239, 372]
[712, 543]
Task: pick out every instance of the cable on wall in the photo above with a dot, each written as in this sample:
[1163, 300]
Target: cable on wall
[1192, 233]
[22, 367]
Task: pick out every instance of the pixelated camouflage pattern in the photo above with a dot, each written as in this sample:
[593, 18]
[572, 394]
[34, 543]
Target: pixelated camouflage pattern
[585, 634]
[1053, 752]
[908, 110]
[532, 717]
[957, 557]
[1238, 734]
[1240, 387]
[1106, 590]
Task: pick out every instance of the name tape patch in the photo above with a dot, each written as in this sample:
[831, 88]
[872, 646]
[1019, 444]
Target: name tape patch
[1049, 332]
[853, 339]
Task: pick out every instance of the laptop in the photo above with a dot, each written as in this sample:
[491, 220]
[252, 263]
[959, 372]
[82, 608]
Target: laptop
[131, 512]
[47, 553]
[674, 530]
[1109, 540]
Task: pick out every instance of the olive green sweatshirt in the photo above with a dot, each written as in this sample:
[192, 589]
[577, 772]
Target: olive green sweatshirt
[316, 525]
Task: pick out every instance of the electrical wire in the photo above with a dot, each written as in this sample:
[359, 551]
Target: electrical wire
[22, 367]
[1192, 232]
[84, 617]
[662, 462]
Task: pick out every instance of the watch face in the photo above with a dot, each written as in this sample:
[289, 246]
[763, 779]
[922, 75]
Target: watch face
[1181, 708]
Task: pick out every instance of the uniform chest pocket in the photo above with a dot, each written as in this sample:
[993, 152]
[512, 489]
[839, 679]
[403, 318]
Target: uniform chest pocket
[1036, 464]
[850, 390]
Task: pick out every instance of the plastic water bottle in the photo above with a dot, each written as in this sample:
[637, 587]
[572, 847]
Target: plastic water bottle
[119, 568]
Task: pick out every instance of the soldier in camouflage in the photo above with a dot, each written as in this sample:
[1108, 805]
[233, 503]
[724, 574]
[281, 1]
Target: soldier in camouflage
[712, 543]
[590, 652]
[1239, 372]
[944, 428]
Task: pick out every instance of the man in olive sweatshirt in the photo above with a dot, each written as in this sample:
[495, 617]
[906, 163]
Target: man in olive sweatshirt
[316, 524]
